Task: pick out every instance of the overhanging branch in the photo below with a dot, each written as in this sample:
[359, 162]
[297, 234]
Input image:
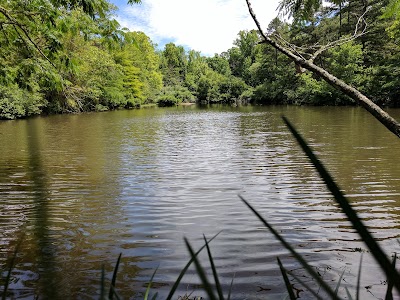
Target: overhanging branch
[383, 117]
[18, 27]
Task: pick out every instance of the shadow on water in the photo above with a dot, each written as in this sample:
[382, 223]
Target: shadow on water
[45, 251]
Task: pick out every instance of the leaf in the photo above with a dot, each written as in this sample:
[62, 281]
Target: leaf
[214, 270]
[200, 271]
[146, 295]
[178, 280]
[114, 278]
[339, 282]
[286, 279]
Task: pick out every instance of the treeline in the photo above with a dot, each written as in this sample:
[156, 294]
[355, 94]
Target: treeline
[361, 42]
[60, 56]
[357, 41]
[66, 56]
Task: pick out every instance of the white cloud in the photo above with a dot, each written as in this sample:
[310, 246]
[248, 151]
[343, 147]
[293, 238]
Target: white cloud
[209, 26]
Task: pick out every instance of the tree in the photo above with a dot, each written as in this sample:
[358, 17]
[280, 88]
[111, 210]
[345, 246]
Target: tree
[243, 54]
[47, 45]
[347, 89]
[219, 64]
[141, 64]
[173, 64]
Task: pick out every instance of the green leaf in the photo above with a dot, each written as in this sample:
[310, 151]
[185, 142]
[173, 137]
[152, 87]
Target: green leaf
[146, 295]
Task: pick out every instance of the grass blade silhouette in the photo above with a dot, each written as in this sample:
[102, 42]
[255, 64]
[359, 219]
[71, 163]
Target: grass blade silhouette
[8, 277]
[389, 295]
[200, 271]
[178, 280]
[155, 296]
[114, 278]
[230, 287]
[102, 284]
[359, 279]
[296, 255]
[286, 280]
[307, 286]
[351, 214]
[339, 282]
[115, 293]
[146, 295]
[348, 294]
[214, 270]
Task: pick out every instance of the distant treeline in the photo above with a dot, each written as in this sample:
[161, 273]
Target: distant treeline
[63, 56]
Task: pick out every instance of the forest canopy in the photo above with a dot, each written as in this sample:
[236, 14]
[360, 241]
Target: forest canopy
[63, 56]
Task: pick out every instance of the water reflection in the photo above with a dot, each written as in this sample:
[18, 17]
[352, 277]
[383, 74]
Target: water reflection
[45, 249]
[87, 187]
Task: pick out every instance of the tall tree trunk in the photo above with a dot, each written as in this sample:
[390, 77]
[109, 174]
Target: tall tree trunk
[350, 91]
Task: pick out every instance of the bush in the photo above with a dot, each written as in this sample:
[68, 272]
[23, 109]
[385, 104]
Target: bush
[174, 95]
[18, 103]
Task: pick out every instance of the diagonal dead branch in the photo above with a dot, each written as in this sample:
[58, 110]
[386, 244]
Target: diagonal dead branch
[389, 122]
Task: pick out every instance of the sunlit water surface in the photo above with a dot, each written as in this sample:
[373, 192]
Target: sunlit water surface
[77, 190]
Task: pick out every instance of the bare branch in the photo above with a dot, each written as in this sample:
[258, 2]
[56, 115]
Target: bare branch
[319, 49]
[344, 40]
[298, 50]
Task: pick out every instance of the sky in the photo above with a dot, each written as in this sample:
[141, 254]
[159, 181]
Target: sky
[208, 26]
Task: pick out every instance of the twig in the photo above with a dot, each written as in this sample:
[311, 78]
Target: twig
[5, 13]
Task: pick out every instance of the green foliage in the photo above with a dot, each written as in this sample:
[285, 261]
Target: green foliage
[243, 55]
[171, 96]
[173, 64]
[20, 93]
[345, 61]
[17, 103]
[70, 56]
[59, 56]
[140, 60]
[202, 78]
[369, 62]
[219, 64]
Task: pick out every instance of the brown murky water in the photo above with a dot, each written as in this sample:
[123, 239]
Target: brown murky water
[77, 190]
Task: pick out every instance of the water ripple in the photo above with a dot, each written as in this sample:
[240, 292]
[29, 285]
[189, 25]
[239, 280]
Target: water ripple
[80, 190]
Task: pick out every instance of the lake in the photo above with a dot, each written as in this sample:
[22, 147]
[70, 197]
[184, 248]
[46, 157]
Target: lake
[77, 190]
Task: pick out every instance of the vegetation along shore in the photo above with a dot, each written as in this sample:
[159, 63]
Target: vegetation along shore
[73, 56]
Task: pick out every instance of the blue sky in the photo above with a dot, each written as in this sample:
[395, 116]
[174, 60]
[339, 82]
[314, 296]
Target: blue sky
[208, 26]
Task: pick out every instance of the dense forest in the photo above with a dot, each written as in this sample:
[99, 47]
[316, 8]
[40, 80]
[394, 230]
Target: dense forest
[63, 56]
